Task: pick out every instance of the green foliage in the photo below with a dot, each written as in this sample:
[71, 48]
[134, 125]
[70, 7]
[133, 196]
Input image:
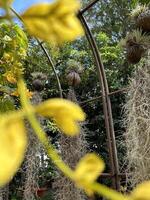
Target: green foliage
[110, 52]
[13, 41]
[135, 2]
[138, 10]
[6, 104]
[73, 65]
[13, 46]
[52, 127]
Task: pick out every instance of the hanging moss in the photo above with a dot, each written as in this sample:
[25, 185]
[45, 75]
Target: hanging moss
[72, 149]
[137, 120]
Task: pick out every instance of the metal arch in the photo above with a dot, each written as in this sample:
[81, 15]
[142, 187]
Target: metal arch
[106, 102]
[89, 6]
[114, 174]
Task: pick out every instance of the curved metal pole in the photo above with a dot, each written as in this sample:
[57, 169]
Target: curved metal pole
[52, 64]
[46, 54]
[105, 92]
[99, 97]
[89, 6]
[106, 104]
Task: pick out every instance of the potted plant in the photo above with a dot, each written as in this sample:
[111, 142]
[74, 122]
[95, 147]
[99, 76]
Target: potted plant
[141, 14]
[136, 45]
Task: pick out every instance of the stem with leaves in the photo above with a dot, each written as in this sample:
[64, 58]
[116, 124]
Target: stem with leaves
[52, 153]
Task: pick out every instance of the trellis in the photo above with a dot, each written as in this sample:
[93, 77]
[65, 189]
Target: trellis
[114, 173]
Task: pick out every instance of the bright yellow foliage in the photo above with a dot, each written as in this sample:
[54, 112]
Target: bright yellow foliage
[141, 192]
[8, 57]
[66, 114]
[13, 143]
[55, 22]
[88, 170]
[3, 3]
[28, 93]
[10, 78]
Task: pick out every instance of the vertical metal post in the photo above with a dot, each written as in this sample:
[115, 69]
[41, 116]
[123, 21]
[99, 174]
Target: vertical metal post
[106, 105]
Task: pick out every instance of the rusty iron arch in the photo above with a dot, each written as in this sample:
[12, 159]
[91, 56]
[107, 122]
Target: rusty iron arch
[109, 125]
[114, 173]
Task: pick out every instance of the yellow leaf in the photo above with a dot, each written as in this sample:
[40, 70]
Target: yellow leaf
[141, 192]
[15, 93]
[13, 143]
[55, 22]
[65, 113]
[88, 170]
[10, 78]
[67, 125]
[8, 57]
[4, 3]
[28, 93]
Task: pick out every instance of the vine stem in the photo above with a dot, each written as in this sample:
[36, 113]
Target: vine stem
[107, 192]
[40, 133]
[52, 64]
